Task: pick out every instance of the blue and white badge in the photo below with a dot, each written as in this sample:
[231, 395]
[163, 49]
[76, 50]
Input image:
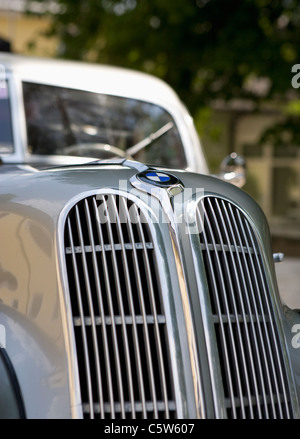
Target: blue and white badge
[157, 178]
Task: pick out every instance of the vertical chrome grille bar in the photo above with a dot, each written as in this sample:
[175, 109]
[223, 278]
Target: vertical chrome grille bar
[112, 317]
[146, 336]
[104, 331]
[118, 291]
[104, 341]
[218, 306]
[154, 312]
[83, 329]
[252, 310]
[225, 299]
[255, 376]
[131, 303]
[244, 303]
[243, 377]
[91, 310]
[116, 272]
[261, 320]
[273, 337]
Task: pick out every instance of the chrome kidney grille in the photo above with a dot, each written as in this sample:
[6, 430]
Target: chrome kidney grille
[253, 370]
[118, 316]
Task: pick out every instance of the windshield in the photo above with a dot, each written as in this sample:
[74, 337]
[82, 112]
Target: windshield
[63, 121]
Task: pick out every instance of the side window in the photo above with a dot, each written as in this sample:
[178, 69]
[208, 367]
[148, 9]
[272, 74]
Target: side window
[6, 136]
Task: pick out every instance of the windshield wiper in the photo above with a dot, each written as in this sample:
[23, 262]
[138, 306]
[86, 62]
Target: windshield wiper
[149, 139]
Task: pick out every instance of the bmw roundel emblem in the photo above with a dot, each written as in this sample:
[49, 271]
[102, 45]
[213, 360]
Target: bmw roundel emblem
[158, 178]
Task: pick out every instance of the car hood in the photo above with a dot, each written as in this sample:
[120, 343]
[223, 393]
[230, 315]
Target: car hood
[46, 189]
[49, 188]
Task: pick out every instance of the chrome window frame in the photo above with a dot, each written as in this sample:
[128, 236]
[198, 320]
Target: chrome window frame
[17, 121]
[7, 82]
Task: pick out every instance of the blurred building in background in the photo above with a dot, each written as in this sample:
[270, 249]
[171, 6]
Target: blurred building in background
[273, 172]
[21, 32]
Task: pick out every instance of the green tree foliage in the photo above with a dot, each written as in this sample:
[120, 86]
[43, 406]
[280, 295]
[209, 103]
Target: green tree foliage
[205, 49]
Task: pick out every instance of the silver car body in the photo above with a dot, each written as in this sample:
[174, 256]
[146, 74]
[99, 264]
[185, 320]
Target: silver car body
[128, 291]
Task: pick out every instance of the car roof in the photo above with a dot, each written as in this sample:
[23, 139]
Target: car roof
[90, 77]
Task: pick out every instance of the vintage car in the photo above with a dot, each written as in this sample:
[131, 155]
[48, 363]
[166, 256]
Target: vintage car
[133, 284]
